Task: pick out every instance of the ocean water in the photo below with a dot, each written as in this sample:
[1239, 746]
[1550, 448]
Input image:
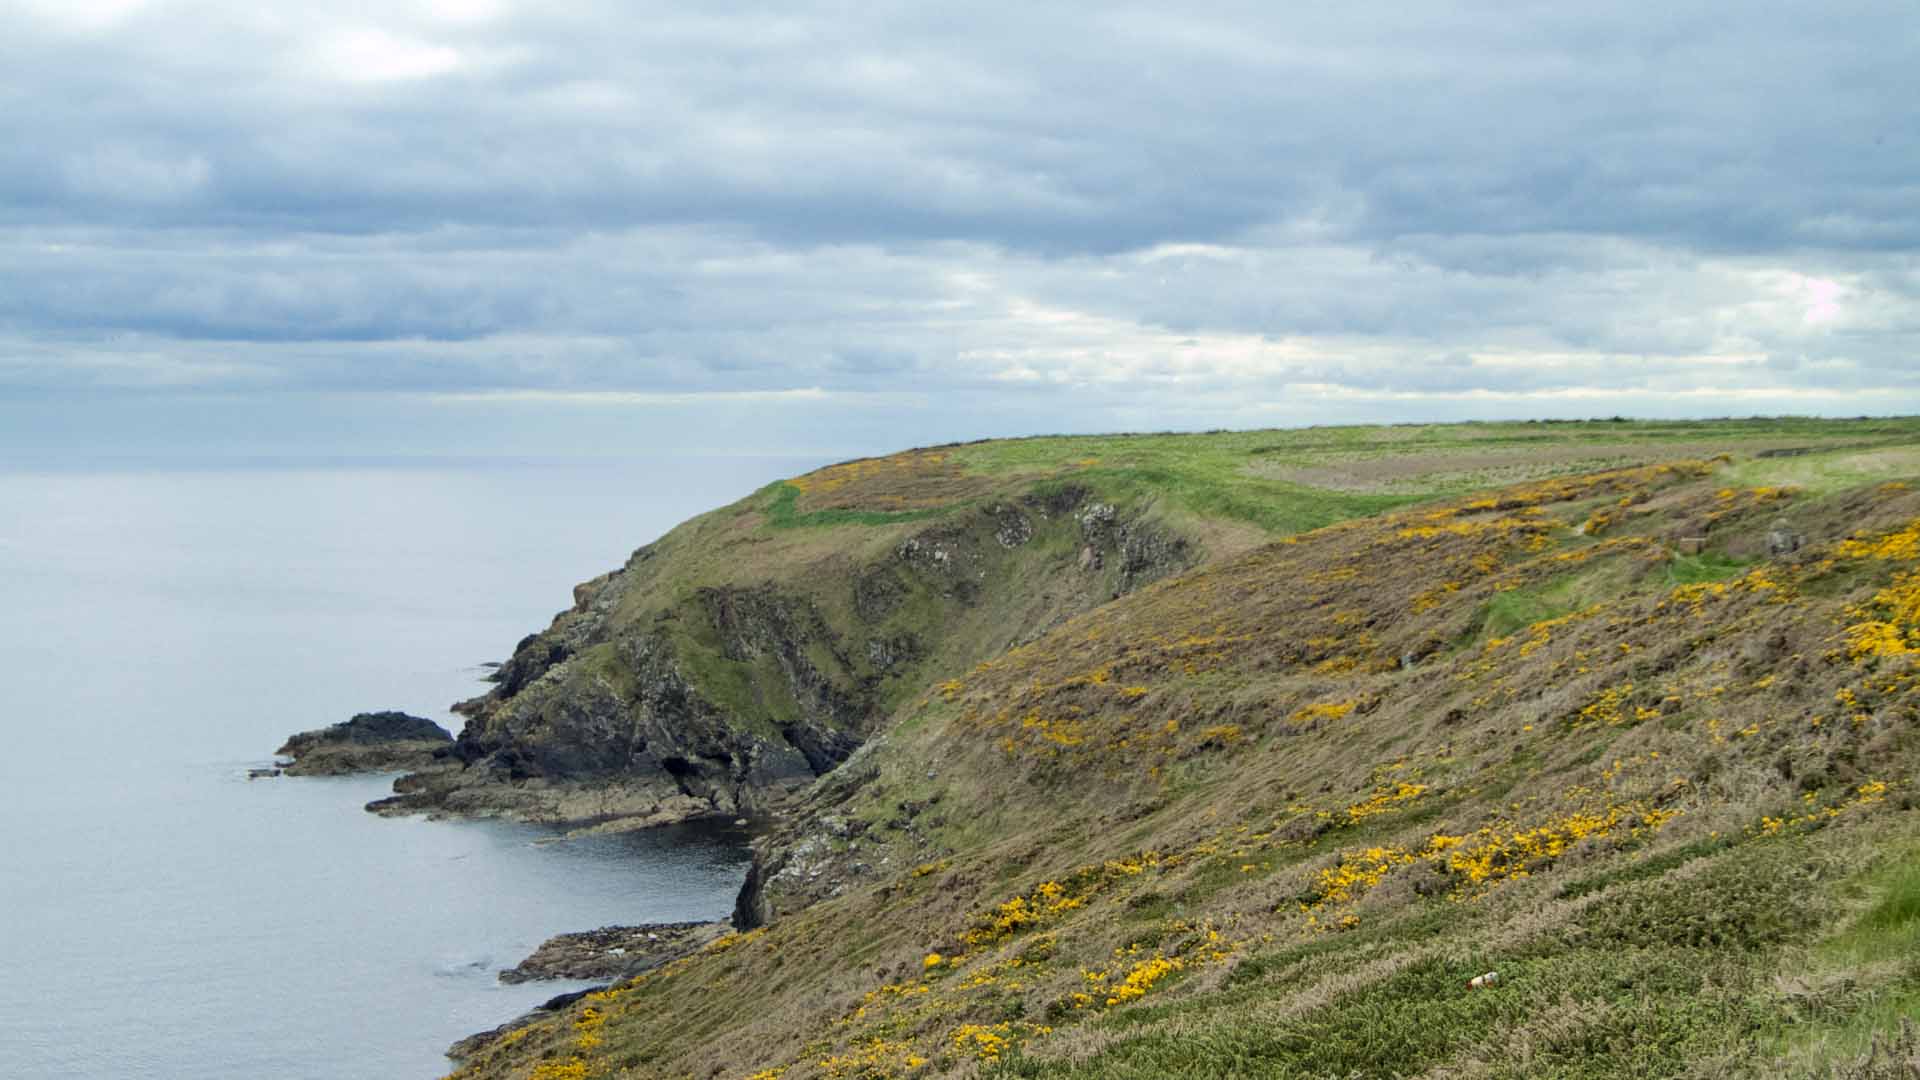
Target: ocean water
[162, 631]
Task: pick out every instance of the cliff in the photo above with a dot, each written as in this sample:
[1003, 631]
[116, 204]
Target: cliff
[1515, 765]
[753, 649]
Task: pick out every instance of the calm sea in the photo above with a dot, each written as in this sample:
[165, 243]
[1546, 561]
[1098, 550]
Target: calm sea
[160, 632]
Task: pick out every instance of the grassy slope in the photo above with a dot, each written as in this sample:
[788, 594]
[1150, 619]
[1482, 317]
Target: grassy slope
[1232, 490]
[1268, 818]
[1235, 485]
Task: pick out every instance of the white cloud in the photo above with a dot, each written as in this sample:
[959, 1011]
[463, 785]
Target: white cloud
[77, 16]
[1821, 297]
[464, 11]
[372, 55]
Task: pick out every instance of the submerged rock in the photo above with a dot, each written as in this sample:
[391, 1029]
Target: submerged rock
[369, 742]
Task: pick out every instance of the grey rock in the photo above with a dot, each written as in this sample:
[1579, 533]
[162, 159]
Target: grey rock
[1782, 539]
[369, 742]
[612, 952]
[1011, 527]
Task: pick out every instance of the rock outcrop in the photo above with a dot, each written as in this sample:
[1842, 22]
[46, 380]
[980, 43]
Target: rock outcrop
[369, 742]
[612, 952]
[677, 687]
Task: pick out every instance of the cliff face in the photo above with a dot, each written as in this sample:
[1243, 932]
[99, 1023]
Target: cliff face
[745, 655]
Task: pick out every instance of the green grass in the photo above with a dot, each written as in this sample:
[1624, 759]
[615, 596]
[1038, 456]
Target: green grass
[1215, 489]
[1650, 867]
[1846, 1005]
[1225, 465]
[1897, 915]
[1219, 475]
[1202, 476]
[1518, 609]
[1829, 471]
[1704, 567]
[1506, 613]
[782, 513]
[754, 694]
[1890, 925]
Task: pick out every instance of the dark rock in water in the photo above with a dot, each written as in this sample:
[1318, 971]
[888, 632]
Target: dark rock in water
[370, 742]
[613, 952]
[262, 774]
[378, 727]
[561, 1001]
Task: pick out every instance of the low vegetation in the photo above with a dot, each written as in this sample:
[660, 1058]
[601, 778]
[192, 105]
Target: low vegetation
[1486, 751]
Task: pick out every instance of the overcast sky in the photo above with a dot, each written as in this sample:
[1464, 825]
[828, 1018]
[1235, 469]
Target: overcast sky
[473, 226]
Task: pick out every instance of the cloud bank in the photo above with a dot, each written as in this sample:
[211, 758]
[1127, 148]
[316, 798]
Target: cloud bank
[1086, 213]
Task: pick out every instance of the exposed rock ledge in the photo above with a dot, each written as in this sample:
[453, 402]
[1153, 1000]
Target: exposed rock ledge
[453, 790]
[613, 952]
[369, 742]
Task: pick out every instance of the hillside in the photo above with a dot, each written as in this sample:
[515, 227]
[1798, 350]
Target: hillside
[1623, 713]
[753, 648]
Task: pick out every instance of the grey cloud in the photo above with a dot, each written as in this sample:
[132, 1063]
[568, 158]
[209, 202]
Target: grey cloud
[1068, 209]
[1066, 128]
[703, 311]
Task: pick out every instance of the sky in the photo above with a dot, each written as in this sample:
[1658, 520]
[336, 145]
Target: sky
[477, 227]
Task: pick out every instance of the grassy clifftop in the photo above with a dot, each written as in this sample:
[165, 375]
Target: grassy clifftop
[1639, 741]
[755, 647]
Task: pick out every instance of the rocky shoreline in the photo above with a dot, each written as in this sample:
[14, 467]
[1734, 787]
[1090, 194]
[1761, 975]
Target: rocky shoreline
[394, 741]
[448, 788]
[644, 705]
[653, 700]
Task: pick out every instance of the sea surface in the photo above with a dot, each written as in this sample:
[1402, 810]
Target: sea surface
[162, 631]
